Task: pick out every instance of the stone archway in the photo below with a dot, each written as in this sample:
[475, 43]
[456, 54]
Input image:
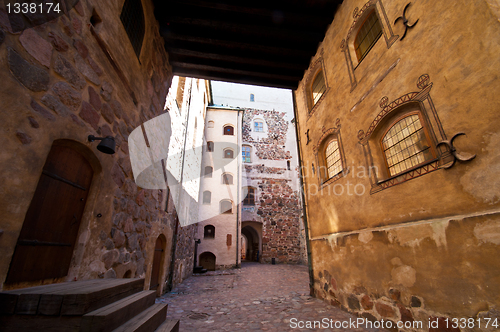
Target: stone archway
[253, 243]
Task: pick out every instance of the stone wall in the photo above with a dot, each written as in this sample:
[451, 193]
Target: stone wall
[279, 211]
[66, 79]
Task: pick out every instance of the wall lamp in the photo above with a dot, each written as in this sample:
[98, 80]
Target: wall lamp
[107, 144]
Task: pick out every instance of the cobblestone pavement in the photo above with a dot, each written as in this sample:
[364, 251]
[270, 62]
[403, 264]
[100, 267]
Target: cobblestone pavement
[257, 297]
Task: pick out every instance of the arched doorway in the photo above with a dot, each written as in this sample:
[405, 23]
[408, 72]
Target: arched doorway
[157, 263]
[207, 260]
[252, 253]
[45, 245]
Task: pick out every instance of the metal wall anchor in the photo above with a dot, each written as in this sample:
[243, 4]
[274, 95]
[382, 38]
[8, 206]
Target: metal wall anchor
[464, 156]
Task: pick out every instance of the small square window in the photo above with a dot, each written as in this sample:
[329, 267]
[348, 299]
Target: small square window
[258, 126]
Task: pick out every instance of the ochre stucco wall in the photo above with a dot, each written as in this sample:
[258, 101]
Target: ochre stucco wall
[435, 236]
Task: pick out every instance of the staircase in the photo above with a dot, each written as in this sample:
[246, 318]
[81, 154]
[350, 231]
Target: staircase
[118, 305]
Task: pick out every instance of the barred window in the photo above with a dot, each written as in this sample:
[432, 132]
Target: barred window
[406, 145]
[132, 17]
[332, 157]
[250, 197]
[367, 35]
[318, 87]
[258, 126]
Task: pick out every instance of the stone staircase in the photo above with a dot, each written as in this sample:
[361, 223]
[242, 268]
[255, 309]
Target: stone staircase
[118, 305]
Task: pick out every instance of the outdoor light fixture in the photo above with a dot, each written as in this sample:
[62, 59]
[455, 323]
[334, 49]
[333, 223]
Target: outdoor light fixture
[107, 144]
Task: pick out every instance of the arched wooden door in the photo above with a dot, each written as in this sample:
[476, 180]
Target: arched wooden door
[45, 245]
[207, 260]
[157, 259]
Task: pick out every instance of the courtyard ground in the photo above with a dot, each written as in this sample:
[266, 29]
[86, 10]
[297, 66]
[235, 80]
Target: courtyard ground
[256, 297]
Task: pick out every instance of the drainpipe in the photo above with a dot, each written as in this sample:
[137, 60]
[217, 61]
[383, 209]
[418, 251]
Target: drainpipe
[304, 205]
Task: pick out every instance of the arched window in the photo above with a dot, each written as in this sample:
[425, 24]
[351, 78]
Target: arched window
[367, 36]
[210, 124]
[228, 130]
[210, 146]
[406, 144]
[250, 196]
[208, 232]
[207, 197]
[246, 152]
[228, 153]
[132, 17]
[252, 97]
[227, 178]
[333, 162]
[208, 171]
[226, 206]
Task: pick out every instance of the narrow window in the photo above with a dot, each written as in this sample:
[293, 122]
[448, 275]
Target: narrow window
[207, 197]
[228, 153]
[229, 240]
[332, 158]
[252, 97]
[288, 164]
[208, 171]
[132, 17]
[210, 146]
[318, 87]
[368, 34]
[226, 207]
[167, 199]
[406, 145]
[250, 197]
[246, 152]
[208, 232]
[227, 179]
[229, 130]
[258, 126]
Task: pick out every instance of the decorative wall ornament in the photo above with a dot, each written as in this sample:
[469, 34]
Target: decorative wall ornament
[347, 45]
[307, 136]
[318, 150]
[464, 156]
[405, 21]
[435, 128]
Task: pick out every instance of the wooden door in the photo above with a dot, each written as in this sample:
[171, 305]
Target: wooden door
[45, 245]
[207, 260]
[157, 258]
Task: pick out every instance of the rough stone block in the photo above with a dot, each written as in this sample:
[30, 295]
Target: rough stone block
[94, 99]
[110, 257]
[34, 78]
[90, 116]
[23, 137]
[33, 122]
[385, 310]
[81, 48]
[94, 66]
[58, 42]
[64, 68]
[36, 46]
[86, 71]
[107, 113]
[77, 120]
[366, 303]
[117, 175]
[67, 95]
[119, 239]
[110, 274]
[42, 111]
[106, 91]
[54, 104]
[353, 302]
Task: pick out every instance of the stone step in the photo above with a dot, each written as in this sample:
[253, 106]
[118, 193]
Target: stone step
[115, 314]
[170, 325]
[147, 321]
[69, 298]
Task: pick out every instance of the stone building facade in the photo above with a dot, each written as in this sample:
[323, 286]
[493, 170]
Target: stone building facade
[404, 222]
[270, 206]
[83, 73]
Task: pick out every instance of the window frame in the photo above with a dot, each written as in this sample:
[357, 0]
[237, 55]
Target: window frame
[250, 153]
[209, 174]
[369, 14]
[230, 132]
[229, 177]
[210, 146]
[327, 143]
[250, 202]
[390, 124]
[224, 153]
[209, 200]
[258, 122]
[135, 29]
[230, 210]
[311, 95]
[206, 234]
